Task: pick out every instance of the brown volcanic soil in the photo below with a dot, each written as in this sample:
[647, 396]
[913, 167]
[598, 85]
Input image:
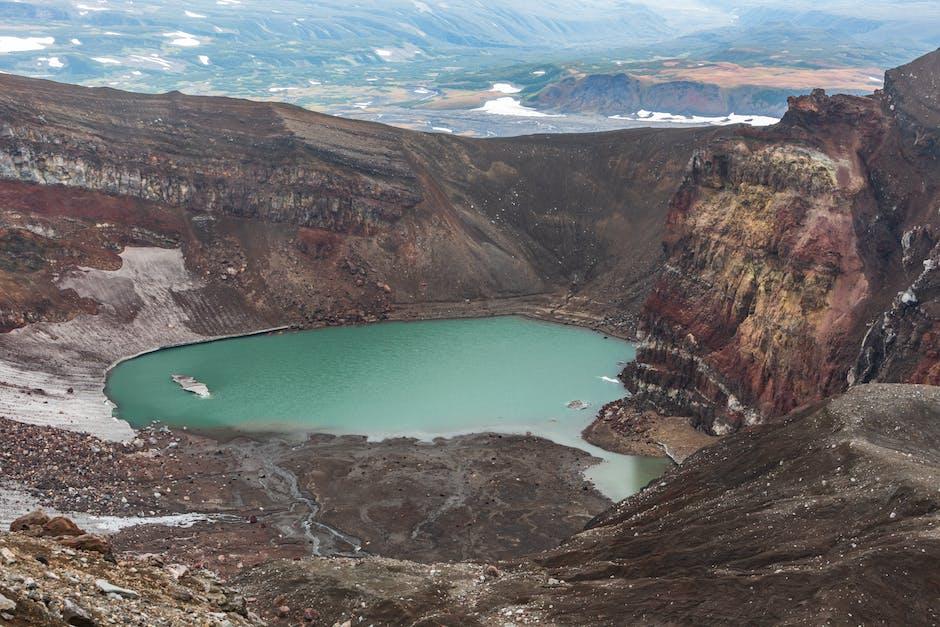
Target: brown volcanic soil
[483, 496]
[828, 517]
[623, 427]
[478, 497]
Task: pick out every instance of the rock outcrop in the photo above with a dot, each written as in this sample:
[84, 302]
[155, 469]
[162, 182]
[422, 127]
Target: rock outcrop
[43, 583]
[801, 259]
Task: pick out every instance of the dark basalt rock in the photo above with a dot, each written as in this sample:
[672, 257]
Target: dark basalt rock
[829, 513]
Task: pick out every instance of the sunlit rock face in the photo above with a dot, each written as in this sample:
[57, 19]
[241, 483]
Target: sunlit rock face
[801, 259]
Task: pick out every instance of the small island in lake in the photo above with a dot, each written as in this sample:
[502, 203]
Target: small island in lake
[190, 384]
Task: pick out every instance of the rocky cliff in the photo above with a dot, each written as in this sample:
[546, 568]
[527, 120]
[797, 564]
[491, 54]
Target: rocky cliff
[345, 218]
[620, 94]
[801, 259]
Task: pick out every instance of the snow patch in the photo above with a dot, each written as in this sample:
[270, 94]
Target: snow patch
[508, 105]
[153, 59]
[115, 524]
[658, 116]
[182, 39]
[24, 44]
[505, 88]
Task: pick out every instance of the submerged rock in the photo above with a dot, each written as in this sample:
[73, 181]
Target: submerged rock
[576, 404]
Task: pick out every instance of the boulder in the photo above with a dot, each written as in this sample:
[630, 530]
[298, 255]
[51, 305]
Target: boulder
[6, 605]
[88, 542]
[61, 526]
[76, 615]
[30, 521]
[106, 587]
[8, 556]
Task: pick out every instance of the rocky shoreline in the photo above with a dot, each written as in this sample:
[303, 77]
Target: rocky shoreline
[250, 496]
[622, 427]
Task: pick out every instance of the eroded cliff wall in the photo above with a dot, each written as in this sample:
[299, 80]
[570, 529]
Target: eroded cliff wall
[801, 259]
[318, 219]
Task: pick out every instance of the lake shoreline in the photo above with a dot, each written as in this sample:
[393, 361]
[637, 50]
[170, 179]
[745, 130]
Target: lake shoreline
[55, 373]
[248, 497]
[547, 382]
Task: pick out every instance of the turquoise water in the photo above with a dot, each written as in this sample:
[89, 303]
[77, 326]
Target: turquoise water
[422, 379]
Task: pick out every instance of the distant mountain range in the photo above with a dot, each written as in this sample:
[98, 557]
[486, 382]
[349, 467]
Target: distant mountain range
[614, 94]
[379, 55]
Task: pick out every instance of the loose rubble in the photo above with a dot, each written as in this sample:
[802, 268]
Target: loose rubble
[84, 589]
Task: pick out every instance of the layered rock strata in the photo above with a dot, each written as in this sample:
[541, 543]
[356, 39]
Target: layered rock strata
[129, 222]
[801, 259]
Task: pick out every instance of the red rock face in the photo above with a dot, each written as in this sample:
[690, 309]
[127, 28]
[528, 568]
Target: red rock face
[801, 259]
